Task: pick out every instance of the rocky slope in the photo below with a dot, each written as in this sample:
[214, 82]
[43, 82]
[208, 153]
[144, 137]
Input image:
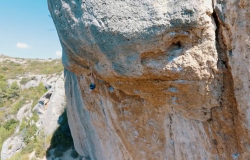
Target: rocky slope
[172, 78]
[33, 124]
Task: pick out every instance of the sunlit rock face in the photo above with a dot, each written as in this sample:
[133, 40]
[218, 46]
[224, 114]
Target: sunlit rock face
[162, 69]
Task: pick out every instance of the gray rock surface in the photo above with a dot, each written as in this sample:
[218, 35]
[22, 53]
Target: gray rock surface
[24, 112]
[172, 78]
[11, 146]
[46, 80]
[51, 107]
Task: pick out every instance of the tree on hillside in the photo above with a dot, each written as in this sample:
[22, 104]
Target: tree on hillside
[14, 90]
[8, 92]
[3, 90]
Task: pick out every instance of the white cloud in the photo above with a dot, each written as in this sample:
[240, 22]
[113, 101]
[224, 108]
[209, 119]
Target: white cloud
[22, 45]
[59, 53]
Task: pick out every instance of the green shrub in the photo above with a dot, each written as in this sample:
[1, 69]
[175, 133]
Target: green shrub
[28, 148]
[11, 124]
[23, 125]
[6, 130]
[8, 92]
[19, 156]
[17, 106]
[35, 117]
[35, 101]
[15, 86]
[13, 91]
[40, 149]
[24, 81]
[10, 147]
[16, 156]
[5, 68]
[28, 133]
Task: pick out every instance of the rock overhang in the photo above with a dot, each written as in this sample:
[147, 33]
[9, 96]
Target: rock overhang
[166, 42]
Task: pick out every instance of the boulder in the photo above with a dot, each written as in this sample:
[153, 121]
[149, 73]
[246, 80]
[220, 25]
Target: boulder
[172, 78]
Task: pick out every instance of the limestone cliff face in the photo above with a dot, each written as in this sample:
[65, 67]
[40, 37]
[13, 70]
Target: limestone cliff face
[172, 78]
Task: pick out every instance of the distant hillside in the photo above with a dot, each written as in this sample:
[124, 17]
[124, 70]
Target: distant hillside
[15, 73]
[15, 67]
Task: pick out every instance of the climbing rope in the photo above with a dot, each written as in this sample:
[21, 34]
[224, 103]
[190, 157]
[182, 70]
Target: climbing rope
[92, 85]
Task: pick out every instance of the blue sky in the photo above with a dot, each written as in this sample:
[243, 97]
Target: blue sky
[27, 31]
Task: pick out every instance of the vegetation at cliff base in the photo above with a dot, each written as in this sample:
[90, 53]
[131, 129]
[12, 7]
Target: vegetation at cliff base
[14, 74]
[7, 129]
[12, 102]
[8, 92]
